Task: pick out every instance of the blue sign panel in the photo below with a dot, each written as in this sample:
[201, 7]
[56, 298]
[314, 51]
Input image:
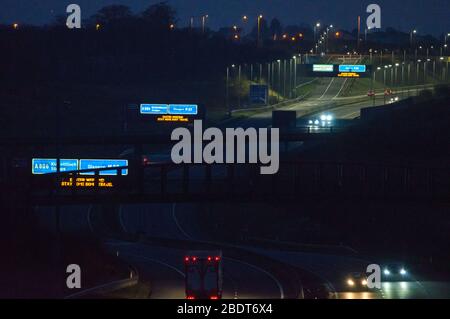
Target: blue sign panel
[42, 166]
[352, 68]
[86, 164]
[182, 109]
[259, 94]
[154, 109]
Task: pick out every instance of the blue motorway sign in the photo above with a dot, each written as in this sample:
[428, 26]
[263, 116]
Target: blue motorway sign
[42, 166]
[154, 109]
[352, 68]
[258, 94]
[169, 109]
[86, 164]
[183, 109]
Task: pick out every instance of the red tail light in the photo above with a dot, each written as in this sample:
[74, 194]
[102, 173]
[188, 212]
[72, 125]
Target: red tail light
[209, 258]
[194, 259]
[214, 298]
[145, 160]
[190, 298]
[217, 259]
[186, 259]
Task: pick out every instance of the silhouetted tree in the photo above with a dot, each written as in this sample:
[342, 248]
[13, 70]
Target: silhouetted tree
[113, 14]
[276, 29]
[159, 16]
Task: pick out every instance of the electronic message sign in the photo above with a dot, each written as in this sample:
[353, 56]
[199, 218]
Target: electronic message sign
[183, 113]
[337, 70]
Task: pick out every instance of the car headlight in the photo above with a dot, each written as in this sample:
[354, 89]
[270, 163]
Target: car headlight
[364, 282]
[403, 272]
[329, 118]
[350, 282]
[387, 272]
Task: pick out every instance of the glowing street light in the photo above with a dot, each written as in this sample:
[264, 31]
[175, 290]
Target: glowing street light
[411, 35]
[204, 17]
[15, 26]
[316, 28]
[260, 17]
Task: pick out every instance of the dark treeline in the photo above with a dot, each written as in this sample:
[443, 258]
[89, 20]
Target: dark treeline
[115, 46]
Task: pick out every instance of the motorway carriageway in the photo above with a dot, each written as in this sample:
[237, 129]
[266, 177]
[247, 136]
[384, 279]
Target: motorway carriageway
[161, 266]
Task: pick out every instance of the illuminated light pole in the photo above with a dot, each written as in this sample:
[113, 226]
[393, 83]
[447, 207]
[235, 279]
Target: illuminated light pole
[279, 80]
[97, 27]
[204, 18]
[316, 28]
[445, 38]
[411, 37]
[260, 17]
[295, 76]
[15, 26]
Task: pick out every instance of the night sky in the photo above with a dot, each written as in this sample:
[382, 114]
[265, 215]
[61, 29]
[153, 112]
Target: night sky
[428, 16]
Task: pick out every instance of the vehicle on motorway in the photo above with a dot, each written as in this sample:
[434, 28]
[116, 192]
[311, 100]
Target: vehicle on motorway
[371, 93]
[394, 100]
[324, 121]
[147, 159]
[357, 281]
[395, 272]
[203, 270]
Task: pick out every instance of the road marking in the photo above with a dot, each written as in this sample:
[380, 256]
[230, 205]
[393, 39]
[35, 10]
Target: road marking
[342, 87]
[174, 216]
[158, 262]
[352, 115]
[280, 287]
[329, 85]
[122, 224]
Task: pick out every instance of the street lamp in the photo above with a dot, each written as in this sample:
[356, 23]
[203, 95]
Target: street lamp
[445, 38]
[15, 26]
[316, 27]
[260, 17]
[204, 17]
[411, 35]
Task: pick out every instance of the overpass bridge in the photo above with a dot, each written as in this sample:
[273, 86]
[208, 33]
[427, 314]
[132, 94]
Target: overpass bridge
[297, 181]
